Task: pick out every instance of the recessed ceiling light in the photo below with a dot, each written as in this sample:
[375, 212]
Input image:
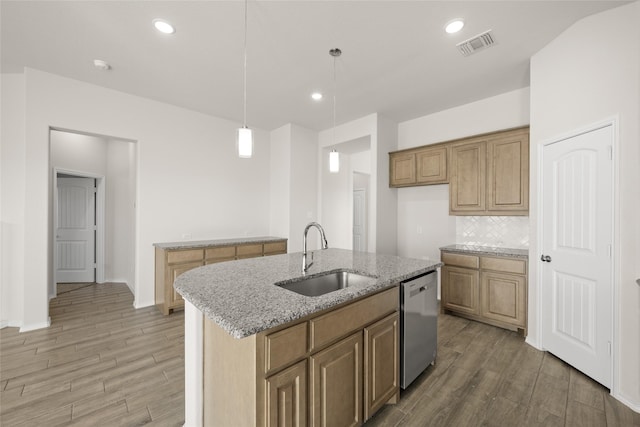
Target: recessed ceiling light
[454, 26]
[163, 26]
[316, 96]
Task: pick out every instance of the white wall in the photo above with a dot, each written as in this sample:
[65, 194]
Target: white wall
[588, 74]
[12, 197]
[189, 177]
[293, 184]
[304, 184]
[121, 213]
[424, 224]
[335, 193]
[280, 182]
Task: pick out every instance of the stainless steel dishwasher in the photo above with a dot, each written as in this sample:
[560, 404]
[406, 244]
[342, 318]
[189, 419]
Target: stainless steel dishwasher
[418, 326]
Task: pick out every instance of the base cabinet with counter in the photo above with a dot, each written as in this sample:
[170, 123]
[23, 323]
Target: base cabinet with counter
[490, 289]
[173, 259]
[336, 368]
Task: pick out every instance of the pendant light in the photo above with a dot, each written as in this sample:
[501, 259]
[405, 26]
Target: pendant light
[245, 136]
[334, 156]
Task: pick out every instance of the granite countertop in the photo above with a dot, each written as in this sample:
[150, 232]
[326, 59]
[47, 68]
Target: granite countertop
[241, 298]
[487, 250]
[217, 242]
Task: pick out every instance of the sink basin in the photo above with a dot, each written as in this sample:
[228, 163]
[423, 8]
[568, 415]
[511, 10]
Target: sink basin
[319, 285]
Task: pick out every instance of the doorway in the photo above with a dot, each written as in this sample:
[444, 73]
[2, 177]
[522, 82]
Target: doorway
[77, 157]
[577, 285]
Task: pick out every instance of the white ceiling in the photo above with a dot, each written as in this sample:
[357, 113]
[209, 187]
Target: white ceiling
[396, 60]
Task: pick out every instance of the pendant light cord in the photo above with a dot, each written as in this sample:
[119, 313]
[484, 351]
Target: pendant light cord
[244, 111]
[335, 89]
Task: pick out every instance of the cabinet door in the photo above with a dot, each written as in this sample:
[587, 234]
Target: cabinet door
[504, 297]
[172, 298]
[402, 169]
[508, 173]
[335, 392]
[286, 394]
[460, 289]
[431, 166]
[381, 365]
[468, 181]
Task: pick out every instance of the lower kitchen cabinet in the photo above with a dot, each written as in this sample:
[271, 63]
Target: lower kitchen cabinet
[503, 297]
[175, 260]
[335, 393]
[286, 397]
[485, 288]
[461, 292]
[381, 364]
[313, 372]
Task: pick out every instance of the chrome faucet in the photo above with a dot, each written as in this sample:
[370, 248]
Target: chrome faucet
[305, 267]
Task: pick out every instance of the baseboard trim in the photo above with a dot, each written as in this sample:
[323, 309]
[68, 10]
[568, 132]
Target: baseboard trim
[35, 326]
[634, 406]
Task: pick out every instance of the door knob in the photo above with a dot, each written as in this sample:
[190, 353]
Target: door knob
[545, 258]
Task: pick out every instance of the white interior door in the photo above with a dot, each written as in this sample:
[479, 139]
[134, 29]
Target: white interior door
[359, 220]
[577, 229]
[75, 230]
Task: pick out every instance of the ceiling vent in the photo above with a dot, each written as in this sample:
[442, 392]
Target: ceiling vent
[474, 44]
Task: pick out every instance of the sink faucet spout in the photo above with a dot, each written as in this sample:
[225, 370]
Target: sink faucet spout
[305, 267]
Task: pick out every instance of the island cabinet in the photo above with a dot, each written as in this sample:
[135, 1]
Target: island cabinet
[335, 368]
[486, 288]
[170, 262]
[490, 174]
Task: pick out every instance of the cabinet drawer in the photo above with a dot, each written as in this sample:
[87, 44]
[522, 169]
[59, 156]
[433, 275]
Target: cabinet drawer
[248, 251]
[336, 324]
[506, 265]
[223, 252]
[275, 248]
[284, 347]
[191, 255]
[469, 261]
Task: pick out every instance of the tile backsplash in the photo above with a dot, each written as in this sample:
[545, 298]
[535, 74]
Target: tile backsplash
[505, 231]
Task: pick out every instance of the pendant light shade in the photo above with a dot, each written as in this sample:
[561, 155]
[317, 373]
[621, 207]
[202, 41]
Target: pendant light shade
[334, 161]
[245, 142]
[245, 136]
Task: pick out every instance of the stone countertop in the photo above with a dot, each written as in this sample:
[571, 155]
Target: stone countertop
[241, 298]
[487, 250]
[218, 242]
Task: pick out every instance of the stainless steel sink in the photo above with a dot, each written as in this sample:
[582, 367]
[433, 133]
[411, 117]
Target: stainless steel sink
[319, 285]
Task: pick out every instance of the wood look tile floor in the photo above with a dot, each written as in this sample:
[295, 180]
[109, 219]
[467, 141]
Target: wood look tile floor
[104, 363]
[101, 363]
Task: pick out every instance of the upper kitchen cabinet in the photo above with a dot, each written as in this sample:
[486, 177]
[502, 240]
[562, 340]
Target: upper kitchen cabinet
[424, 166]
[402, 169]
[490, 174]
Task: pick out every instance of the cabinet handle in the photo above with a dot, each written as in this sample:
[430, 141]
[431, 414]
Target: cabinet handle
[545, 258]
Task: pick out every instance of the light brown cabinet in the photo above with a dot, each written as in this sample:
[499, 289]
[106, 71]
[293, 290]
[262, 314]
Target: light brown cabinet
[402, 169]
[172, 262]
[286, 397]
[488, 289]
[490, 175]
[381, 364]
[313, 372]
[335, 393]
[424, 166]
[468, 178]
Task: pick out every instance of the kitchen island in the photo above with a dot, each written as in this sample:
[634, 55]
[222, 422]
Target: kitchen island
[236, 318]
